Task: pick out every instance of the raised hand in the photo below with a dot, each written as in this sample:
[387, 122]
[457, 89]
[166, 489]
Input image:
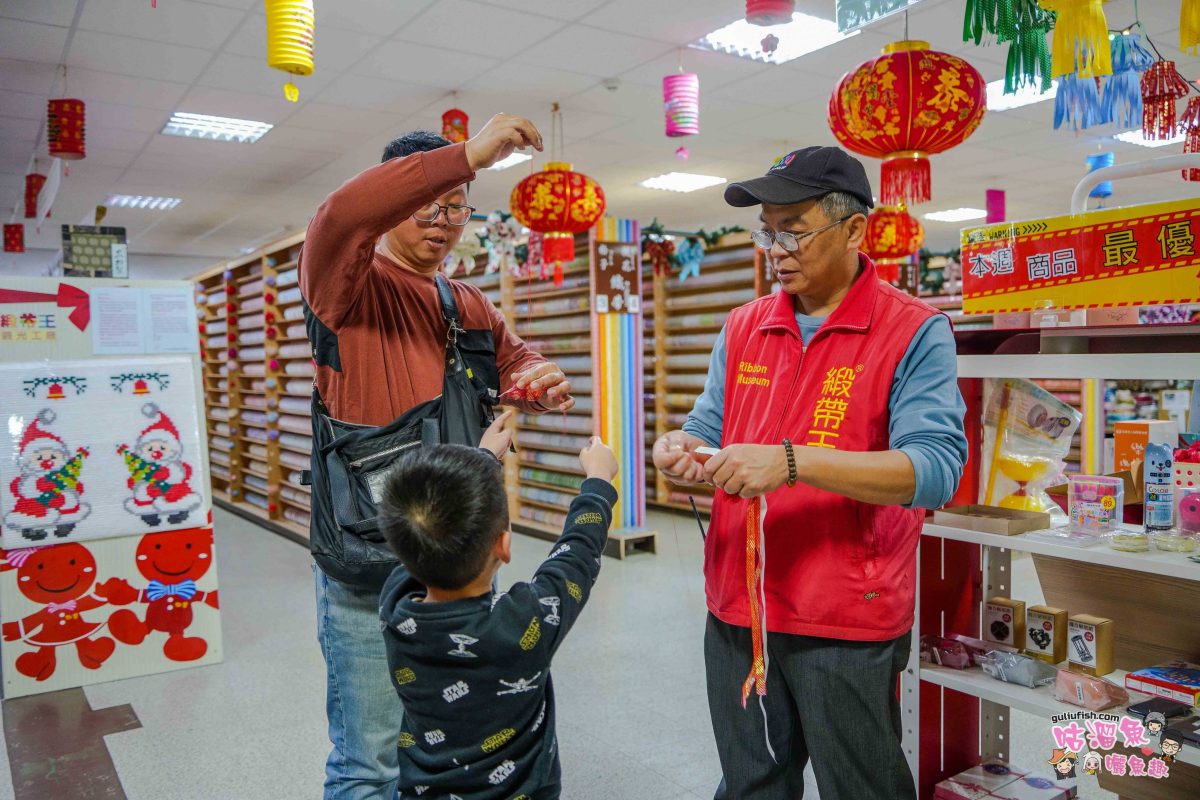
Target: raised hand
[502, 134]
[598, 460]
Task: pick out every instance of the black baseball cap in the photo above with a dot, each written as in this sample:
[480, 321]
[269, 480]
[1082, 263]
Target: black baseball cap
[803, 175]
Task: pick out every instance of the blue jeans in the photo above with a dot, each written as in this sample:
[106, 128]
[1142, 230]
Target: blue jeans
[361, 704]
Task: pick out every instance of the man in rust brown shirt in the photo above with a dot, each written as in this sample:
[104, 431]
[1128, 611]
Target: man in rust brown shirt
[367, 272]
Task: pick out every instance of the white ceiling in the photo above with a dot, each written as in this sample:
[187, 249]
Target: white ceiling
[387, 66]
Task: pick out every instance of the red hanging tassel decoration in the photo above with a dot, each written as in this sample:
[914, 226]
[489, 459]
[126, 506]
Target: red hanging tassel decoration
[14, 238]
[905, 179]
[1161, 87]
[1190, 123]
[33, 186]
[757, 679]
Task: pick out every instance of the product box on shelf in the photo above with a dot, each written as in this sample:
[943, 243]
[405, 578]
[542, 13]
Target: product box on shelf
[1175, 680]
[1107, 317]
[1037, 787]
[979, 781]
[1011, 320]
[1046, 633]
[991, 519]
[1004, 621]
[1058, 318]
[1173, 405]
[1132, 481]
[1090, 644]
[1131, 437]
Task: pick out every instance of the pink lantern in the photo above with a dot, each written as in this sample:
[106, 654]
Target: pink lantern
[769, 12]
[681, 103]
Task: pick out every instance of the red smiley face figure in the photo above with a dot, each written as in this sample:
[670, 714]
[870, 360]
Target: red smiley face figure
[60, 578]
[172, 561]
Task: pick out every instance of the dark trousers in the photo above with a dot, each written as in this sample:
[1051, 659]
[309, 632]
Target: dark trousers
[830, 700]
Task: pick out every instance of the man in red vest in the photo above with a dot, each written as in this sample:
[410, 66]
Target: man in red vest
[836, 407]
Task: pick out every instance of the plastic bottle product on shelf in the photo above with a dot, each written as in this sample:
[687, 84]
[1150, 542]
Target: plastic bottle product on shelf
[295, 495]
[220, 471]
[222, 428]
[216, 326]
[296, 330]
[251, 304]
[296, 440]
[296, 515]
[223, 369]
[731, 297]
[252, 337]
[250, 288]
[717, 279]
[298, 368]
[256, 481]
[251, 354]
[706, 340]
[220, 443]
[249, 321]
[689, 361]
[293, 459]
[561, 460]
[218, 413]
[251, 417]
[259, 450]
[557, 422]
[552, 518]
[553, 440]
[546, 496]
[293, 312]
[294, 405]
[293, 476]
[558, 345]
[215, 298]
[553, 324]
[258, 434]
[298, 387]
[289, 295]
[217, 341]
[295, 350]
[287, 277]
[687, 380]
[254, 401]
[258, 386]
[294, 424]
[222, 385]
[574, 364]
[254, 370]
[255, 499]
[569, 482]
[222, 400]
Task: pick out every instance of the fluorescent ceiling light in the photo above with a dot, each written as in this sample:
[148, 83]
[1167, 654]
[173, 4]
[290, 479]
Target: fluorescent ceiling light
[148, 202]
[223, 129]
[511, 161]
[804, 34]
[682, 182]
[997, 100]
[1136, 136]
[956, 215]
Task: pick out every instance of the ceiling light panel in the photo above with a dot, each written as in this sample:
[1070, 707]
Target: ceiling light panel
[682, 182]
[804, 34]
[221, 129]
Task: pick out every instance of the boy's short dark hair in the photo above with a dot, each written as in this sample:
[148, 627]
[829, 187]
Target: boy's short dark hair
[443, 507]
[414, 142]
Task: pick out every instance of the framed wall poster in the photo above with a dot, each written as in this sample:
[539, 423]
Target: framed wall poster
[83, 612]
[99, 448]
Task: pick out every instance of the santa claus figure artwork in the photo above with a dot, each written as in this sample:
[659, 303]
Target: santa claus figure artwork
[172, 561]
[61, 579]
[158, 476]
[47, 491]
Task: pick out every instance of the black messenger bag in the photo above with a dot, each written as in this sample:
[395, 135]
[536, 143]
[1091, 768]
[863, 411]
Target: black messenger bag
[350, 463]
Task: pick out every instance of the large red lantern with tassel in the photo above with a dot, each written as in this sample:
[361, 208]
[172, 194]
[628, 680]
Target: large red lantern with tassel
[769, 12]
[65, 132]
[33, 186]
[904, 106]
[454, 125]
[558, 203]
[14, 238]
[892, 236]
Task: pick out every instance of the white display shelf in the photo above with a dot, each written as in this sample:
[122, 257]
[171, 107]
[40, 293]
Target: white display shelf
[1156, 562]
[1040, 702]
[1124, 366]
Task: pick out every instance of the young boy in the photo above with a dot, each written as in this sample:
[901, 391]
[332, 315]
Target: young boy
[472, 667]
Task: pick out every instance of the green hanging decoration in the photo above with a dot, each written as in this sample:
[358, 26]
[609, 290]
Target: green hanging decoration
[1023, 26]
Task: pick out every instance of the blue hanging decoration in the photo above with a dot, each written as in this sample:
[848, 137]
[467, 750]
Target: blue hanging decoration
[1098, 161]
[1077, 102]
[1122, 99]
[688, 256]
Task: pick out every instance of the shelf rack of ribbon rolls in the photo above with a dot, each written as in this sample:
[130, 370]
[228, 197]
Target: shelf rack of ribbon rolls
[258, 386]
[683, 324]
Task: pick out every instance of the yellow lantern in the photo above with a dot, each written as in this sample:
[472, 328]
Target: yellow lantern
[290, 33]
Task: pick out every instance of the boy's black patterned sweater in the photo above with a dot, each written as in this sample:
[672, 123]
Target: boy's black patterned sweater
[474, 674]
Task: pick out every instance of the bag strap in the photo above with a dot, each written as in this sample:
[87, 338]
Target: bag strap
[454, 328]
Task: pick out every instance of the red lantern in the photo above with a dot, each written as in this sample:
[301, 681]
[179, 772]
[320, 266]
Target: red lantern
[903, 106]
[558, 203]
[14, 238]
[454, 125]
[769, 12]
[1161, 87]
[892, 236]
[33, 186]
[65, 128]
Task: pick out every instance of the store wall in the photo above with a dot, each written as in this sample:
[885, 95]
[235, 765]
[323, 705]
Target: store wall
[142, 266]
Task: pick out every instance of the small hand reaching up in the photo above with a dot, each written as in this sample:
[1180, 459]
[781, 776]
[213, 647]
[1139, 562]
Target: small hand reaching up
[598, 460]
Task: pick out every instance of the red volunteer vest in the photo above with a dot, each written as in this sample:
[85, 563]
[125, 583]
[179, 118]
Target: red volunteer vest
[835, 567]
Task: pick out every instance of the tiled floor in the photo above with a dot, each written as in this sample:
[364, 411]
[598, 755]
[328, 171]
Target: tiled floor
[633, 720]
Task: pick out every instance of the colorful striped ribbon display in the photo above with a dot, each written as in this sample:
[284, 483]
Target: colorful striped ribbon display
[618, 386]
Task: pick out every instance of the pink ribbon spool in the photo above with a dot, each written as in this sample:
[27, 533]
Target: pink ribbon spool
[681, 103]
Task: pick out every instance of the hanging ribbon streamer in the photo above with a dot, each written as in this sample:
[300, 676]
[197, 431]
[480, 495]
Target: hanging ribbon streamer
[1080, 38]
[1099, 161]
[1023, 25]
[1161, 88]
[1077, 102]
[1190, 124]
[1189, 26]
[755, 561]
[1122, 99]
